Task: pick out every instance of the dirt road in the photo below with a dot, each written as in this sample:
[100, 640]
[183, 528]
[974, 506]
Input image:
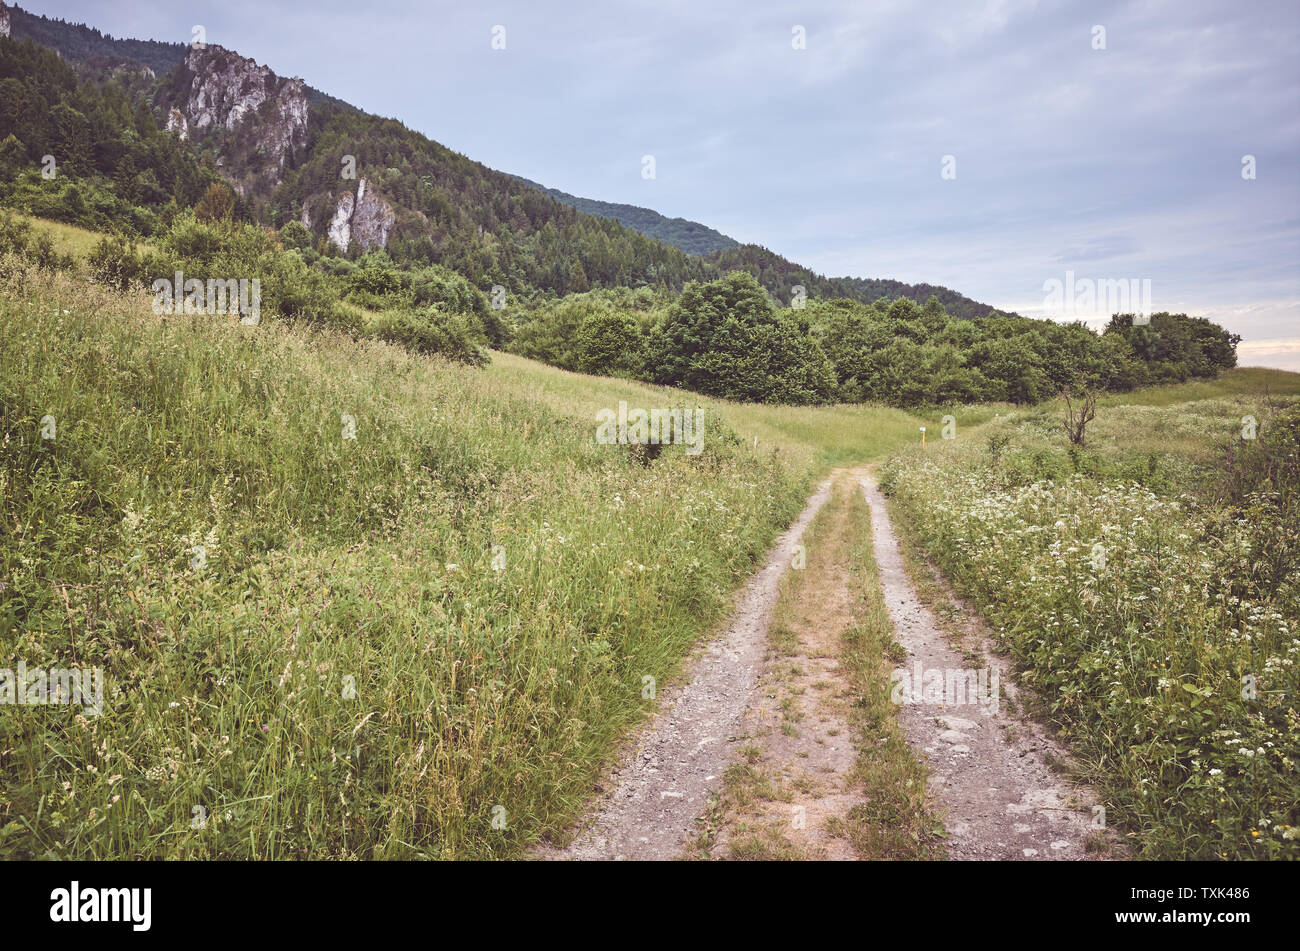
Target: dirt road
[990, 778]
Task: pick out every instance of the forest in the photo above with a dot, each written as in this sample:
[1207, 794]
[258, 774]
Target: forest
[729, 338]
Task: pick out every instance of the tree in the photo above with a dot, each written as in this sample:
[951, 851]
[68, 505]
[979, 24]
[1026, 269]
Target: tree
[693, 327]
[13, 156]
[1078, 417]
[578, 282]
[725, 339]
[295, 236]
[609, 341]
[1016, 363]
[217, 204]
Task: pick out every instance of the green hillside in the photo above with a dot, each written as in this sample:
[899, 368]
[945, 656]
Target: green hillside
[691, 236]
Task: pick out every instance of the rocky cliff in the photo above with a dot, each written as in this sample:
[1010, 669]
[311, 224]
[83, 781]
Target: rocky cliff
[177, 125]
[365, 220]
[4, 20]
[254, 120]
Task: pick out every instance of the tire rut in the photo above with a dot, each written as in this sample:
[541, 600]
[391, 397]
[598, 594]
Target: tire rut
[989, 768]
[654, 796]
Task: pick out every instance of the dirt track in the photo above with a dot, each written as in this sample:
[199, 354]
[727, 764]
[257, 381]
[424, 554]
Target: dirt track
[989, 773]
[990, 778]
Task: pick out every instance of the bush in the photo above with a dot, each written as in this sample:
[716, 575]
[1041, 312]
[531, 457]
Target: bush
[292, 289]
[334, 266]
[432, 331]
[375, 278]
[436, 285]
[115, 262]
[610, 342]
[551, 333]
[217, 204]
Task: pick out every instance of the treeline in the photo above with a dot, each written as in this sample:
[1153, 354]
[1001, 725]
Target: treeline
[691, 236]
[780, 276]
[729, 338]
[112, 167]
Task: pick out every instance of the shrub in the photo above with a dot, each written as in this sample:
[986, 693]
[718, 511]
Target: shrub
[609, 342]
[217, 204]
[294, 290]
[551, 334]
[115, 262]
[432, 330]
[18, 238]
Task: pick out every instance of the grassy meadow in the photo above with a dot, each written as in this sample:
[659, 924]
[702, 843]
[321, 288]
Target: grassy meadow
[350, 602]
[1147, 585]
[67, 239]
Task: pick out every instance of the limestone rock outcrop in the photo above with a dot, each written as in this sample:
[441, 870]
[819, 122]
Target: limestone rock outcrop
[365, 219]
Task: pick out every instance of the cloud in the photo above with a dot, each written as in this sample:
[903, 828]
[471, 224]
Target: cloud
[1281, 354]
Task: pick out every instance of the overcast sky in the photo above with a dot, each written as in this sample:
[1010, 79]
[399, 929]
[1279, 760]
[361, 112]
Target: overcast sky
[1122, 163]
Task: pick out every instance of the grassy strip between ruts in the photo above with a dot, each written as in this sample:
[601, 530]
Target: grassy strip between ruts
[892, 821]
[888, 818]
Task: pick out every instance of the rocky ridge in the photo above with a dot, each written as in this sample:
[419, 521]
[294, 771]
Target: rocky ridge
[259, 119]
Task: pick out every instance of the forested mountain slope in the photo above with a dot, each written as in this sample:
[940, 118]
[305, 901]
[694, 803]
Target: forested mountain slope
[364, 182]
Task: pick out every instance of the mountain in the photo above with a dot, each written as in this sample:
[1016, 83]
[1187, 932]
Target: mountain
[780, 275]
[79, 44]
[691, 236]
[362, 182]
[76, 42]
